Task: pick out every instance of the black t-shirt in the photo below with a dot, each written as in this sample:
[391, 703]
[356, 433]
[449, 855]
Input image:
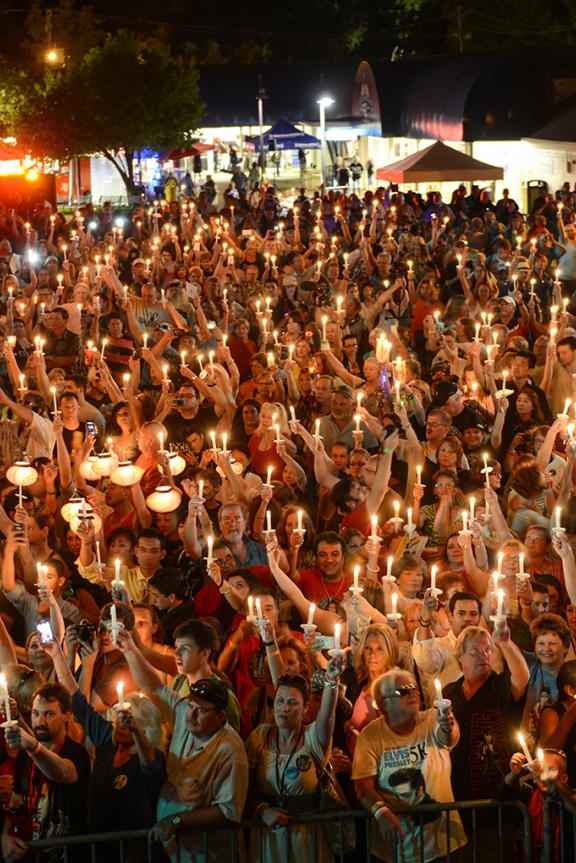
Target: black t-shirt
[488, 724]
[179, 427]
[465, 419]
[74, 438]
[56, 808]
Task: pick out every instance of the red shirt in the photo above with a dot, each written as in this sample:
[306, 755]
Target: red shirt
[320, 591]
[241, 352]
[261, 460]
[359, 520]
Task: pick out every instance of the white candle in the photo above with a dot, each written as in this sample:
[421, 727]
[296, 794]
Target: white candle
[486, 469]
[357, 419]
[104, 343]
[472, 506]
[356, 577]
[53, 391]
[250, 608]
[5, 697]
[311, 610]
[269, 475]
[300, 514]
[210, 546]
[337, 638]
[500, 608]
[40, 575]
[259, 610]
[374, 523]
[394, 603]
[521, 564]
[145, 340]
[114, 623]
[224, 442]
[500, 562]
[524, 747]
[213, 439]
[389, 566]
[495, 579]
[183, 358]
[166, 379]
[292, 413]
[433, 572]
[277, 430]
[201, 489]
[211, 359]
[324, 322]
[163, 293]
[558, 520]
[419, 474]
[120, 695]
[438, 687]
[117, 571]
[409, 513]
[464, 521]
[317, 433]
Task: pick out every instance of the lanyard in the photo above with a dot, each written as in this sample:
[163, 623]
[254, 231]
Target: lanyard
[281, 778]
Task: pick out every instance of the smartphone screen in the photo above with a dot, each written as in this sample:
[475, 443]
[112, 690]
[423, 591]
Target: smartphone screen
[44, 630]
[91, 427]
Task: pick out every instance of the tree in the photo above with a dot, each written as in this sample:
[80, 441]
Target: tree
[127, 94]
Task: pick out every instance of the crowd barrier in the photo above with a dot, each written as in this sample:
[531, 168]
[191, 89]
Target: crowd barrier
[127, 847]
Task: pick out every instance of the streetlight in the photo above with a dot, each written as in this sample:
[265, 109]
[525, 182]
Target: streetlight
[260, 98]
[323, 103]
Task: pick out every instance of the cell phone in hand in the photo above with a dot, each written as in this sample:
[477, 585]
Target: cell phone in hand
[91, 427]
[44, 630]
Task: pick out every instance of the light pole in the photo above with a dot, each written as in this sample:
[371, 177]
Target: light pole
[323, 103]
[260, 98]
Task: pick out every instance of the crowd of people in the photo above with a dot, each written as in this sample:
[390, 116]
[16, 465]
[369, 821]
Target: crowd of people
[287, 513]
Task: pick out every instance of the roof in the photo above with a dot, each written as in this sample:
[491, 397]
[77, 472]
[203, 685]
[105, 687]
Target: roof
[562, 128]
[286, 137]
[438, 163]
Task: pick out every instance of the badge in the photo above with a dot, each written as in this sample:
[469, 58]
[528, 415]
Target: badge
[292, 773]
[120, 782]
[303, 763]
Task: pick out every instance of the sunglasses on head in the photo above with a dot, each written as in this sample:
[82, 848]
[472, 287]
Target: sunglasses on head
[405, 689]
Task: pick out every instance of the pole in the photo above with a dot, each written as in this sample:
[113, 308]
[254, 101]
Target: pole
[322, 142]
[261, 96]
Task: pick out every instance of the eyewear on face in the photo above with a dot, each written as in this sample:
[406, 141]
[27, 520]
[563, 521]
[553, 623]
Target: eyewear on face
[403, 691]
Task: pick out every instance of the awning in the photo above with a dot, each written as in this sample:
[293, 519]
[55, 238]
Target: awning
[286, 136]
[439, 163]
[183, 153]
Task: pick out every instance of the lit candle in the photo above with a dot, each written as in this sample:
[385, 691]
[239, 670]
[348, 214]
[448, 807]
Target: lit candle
[5, 697]
[409, 513]
[438, 687]
[521, 564]
[311, 610]
[53, 391]
[269, 475]
[268, 521]
[500, 608]
[104, 343]
[213, 439]
[558, 515]
[389, 566]
[300, 514]
[486, 470]
[163, 293]
[259, 610]
[98, 558]
[317, 433]
[113, 623]
[277, 430]
[477, 336]
[183, 358]
[324, 322]
[357, 419]
[524, 747]
[374, 523]
[161, 441]
[433, 572]
[120, 695]
[394, 604]
[199, 358]
[201, 489]
[472, 506]
[211, 359]
[292, 413]
[40, 572]
[464, 521]
[117, 573]
[145, 340]
[356, 577]
[224, 442]
[209, 546]
[166, 379]
[337, 638]
[419, 474]
[500, 562]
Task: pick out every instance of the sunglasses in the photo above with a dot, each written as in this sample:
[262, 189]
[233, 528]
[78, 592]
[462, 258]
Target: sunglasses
[404, 690]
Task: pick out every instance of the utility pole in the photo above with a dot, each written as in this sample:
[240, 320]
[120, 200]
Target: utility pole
[260, 98]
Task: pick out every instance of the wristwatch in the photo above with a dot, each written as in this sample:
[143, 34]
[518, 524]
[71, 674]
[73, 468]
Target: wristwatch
[177, 820]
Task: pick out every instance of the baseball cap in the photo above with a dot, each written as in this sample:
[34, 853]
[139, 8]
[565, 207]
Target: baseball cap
[510, 300]
[212, 690]
[138, 261]
[290, 281]
[444, 391]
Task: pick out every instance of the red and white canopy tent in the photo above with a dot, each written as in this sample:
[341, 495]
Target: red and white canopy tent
[438, 163]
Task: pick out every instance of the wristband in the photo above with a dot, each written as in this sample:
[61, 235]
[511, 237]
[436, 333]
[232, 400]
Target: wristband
[331, 684]
[387, 451]
[369, 568]
[269, 643]
[380, 811]
[377, 806]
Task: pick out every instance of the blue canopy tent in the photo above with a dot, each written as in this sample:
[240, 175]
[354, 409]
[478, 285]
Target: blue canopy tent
[286, 136]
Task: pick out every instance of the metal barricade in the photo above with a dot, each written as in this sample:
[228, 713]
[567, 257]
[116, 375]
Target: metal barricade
[228, 844]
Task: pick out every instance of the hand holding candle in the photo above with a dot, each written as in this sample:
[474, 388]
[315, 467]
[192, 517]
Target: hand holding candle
[441, 704]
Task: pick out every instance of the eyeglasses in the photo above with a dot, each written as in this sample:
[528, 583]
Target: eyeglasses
[404, 690]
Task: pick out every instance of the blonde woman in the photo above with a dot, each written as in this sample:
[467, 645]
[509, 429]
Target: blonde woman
[273, 425]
